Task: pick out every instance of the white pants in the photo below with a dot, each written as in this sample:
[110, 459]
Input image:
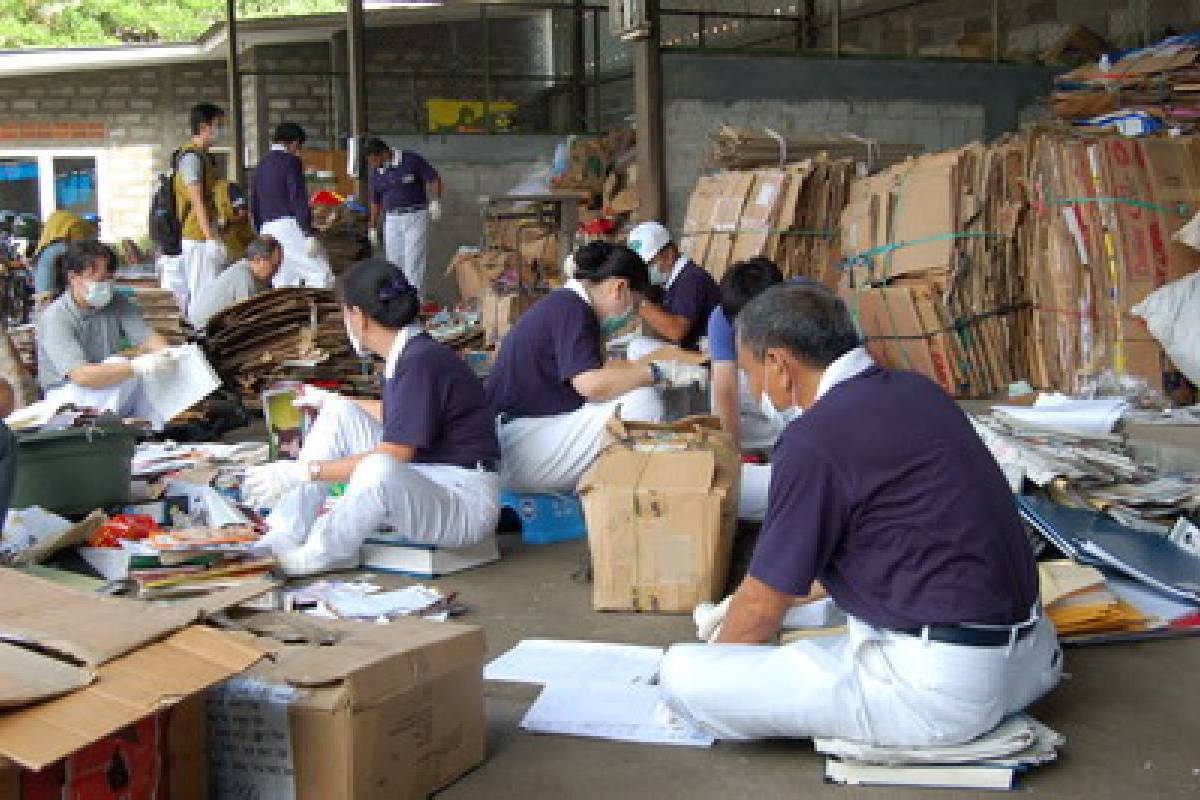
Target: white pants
[125, 399]
[405, 240]
[202, 262]
[299, 269]
[422, 503]
[172, 277]
[641, 346]
[550, 454]
[869, 685]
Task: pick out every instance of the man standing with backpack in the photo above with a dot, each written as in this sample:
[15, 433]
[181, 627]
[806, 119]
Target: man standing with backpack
[195, 184]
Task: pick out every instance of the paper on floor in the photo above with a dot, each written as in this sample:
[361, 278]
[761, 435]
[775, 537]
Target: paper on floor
[605, 710]
[189, 380]
[1020, 740]
[550, 661]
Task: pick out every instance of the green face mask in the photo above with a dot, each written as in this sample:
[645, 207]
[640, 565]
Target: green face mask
[613, 324]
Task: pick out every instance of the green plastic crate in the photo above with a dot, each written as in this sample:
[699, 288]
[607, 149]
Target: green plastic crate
[76, 470]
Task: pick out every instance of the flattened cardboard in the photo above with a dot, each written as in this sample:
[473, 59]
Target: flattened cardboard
[128, 689]
[27, 677]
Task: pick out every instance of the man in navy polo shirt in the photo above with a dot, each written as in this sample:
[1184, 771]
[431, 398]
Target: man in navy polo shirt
[689, 294]
[884, 500]
[407, 192]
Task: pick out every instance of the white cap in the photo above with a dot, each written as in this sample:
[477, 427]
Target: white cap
[648, 239]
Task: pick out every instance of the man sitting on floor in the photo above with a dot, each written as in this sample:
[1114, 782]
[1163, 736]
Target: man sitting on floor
[884, 498]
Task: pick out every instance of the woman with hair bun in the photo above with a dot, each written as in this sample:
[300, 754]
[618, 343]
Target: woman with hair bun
[423, 461]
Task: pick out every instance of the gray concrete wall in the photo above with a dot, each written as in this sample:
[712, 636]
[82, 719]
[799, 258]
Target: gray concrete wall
[937, 105]
[471, 167]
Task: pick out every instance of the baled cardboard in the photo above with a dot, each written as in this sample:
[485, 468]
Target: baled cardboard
[661, 508]
[386, 713]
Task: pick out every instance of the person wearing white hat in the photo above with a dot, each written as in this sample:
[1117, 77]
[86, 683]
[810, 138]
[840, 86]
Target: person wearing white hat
[689, 294]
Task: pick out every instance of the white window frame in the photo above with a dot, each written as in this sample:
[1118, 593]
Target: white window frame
[45, 161]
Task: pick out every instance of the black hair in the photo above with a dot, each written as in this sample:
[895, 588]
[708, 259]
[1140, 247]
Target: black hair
[380, 289]
[808, 320]
[591, 256]
[621, 262]
[204, 114]
[376, 147]
[262, 247]
[746, 280]
[289, 133]
[79, 257]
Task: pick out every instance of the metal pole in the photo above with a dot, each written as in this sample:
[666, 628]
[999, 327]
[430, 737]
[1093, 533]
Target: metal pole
[995, 31]
[648, 99]
[578, 68]
[837, 28]
[356, 67]
[594, 107]
[235, 92]
[487, 68]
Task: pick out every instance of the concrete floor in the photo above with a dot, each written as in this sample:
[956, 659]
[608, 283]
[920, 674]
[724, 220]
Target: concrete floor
[1129, 711]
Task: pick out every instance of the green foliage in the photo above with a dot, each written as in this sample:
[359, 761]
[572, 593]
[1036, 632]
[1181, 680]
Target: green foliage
[83, 23]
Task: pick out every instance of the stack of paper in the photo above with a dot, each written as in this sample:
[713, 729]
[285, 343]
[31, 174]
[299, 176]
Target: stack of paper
[1088, 417]
[1078, 601]
[990, 762]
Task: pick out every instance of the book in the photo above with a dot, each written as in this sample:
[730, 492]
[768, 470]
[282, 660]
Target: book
[954, 776]
[426, 560]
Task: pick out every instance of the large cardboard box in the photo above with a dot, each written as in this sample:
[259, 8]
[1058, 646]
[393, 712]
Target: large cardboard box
[94, 684]
[661, 509]
[384, 713]
[500, 310]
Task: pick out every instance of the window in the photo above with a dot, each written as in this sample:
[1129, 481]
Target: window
[41, 182]
[75, 185]
[19, 186]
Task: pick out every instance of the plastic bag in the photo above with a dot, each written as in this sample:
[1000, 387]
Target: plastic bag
[1172, 315]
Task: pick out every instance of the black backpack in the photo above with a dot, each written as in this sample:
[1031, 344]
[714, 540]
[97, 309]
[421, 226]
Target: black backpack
[166, 228]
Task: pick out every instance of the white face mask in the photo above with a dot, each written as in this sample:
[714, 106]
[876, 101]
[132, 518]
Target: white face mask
[780, 418]
[355, 342]
[218, 134]
[99, 293]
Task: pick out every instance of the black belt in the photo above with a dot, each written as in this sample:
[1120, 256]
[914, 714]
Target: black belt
[489, 465]
[505, 417]
[971, 637]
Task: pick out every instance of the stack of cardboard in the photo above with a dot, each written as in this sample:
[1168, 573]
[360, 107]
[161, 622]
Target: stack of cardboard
[788, 215]
[342, 232]
[744, 148]
[276, 335]
[161, 312]
[929, 266]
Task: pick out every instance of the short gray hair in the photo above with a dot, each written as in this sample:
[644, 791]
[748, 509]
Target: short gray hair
[261, 248]
[808, 320]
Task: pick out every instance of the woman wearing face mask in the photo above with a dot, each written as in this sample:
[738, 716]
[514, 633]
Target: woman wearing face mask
[79, 334]
[422, 461]
[551, 389]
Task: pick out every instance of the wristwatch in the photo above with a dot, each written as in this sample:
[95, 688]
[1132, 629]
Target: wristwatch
[656, 374]
[314, 470]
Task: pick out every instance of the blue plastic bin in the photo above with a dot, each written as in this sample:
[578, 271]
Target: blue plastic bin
[546, 518]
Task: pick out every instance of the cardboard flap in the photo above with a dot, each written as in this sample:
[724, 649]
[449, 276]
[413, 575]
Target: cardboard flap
[27, 677]
[91, 629]
[618, 467]
[692, 469]
[126, 690]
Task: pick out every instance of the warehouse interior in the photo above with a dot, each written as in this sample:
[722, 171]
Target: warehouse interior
[643, 398]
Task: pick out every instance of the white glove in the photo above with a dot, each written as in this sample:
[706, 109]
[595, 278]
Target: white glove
[709, 618]
[262, 487]
[155, 363]
[435, 210]
[314, 397]
[312, 247]
[217, 251]
[677, 375]
[373, 237]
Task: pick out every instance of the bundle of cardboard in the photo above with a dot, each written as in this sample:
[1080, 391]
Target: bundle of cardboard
[279, 335]
[746, 148]
[1162, 80]
[342, 232]
[788, 215]
[161, 311]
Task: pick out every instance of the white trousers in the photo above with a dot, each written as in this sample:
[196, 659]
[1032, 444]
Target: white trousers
[202, 262]
[422, 503]
[171, 276]
[550, 454]
[869, 685]
[405, 242]
[125, 399]
[299, 269]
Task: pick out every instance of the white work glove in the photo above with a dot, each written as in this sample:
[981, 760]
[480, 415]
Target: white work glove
[373, 238]
[312, 247]
[435, 210]
[262, 487]
[677, 375]
[155, 363]
[709, 618]
[314, 397]
[217, 251]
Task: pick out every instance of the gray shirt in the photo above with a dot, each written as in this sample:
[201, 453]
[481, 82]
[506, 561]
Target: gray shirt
[191, 168]
[69, 336]
[235, 284]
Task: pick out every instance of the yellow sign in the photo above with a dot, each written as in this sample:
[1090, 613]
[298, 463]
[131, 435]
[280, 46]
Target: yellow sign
[471, 116]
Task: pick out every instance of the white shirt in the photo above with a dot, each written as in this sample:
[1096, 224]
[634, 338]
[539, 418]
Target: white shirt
[844, 368]
[397, 349]
[279, 148]
[680, 263]
[576, 286]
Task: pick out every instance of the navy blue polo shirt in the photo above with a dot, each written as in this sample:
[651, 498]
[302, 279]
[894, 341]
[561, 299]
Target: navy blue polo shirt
[279, 191]
[436, 404]
[884, 492]
[401, 186]
[693, 294]
[555, 340]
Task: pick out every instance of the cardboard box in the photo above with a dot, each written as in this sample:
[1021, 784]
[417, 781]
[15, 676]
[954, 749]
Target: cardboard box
[501, 310]
[386, 713]
[661, 507]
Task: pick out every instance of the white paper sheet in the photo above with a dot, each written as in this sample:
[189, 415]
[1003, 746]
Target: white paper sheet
[249, 740]
[348, 603]
[189, 380]
[552, 661]
[627, 713]
[1089, 417]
